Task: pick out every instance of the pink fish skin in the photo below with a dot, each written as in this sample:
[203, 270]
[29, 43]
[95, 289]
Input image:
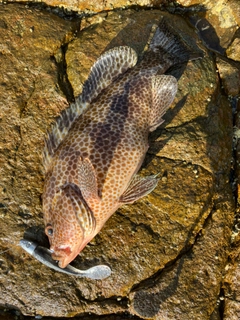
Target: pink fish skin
[99, 143]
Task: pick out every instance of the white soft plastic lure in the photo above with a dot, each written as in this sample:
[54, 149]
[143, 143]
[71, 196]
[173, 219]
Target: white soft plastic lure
[44, 256]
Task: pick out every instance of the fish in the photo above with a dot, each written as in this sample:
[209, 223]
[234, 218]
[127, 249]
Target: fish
[43, 255]
[98, 144]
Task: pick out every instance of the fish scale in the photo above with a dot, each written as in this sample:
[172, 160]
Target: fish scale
[97, 146]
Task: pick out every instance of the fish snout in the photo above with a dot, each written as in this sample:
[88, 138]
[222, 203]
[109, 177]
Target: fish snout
[61, 253]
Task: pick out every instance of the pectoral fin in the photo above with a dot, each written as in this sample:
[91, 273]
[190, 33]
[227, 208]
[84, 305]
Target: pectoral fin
[138, 188]
[87, 179]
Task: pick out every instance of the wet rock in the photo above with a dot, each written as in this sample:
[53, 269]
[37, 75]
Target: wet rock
[109, 30]
[29, 90]
[168, 251]
[175, 290]
[235, 9]
[231, 280]
[91, 6]
[230, 76]
[233, 51]
[216, 23]
[231, 284]
[193, 281]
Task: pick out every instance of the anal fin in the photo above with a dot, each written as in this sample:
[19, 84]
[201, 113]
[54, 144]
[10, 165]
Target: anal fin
[138, 188]
[164, 89]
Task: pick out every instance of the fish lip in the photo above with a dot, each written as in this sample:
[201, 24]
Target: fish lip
[65, 254]
[62, 260]
[62, 263]
[61, 255]
[61, 250]
[65, 258]
[56, 256]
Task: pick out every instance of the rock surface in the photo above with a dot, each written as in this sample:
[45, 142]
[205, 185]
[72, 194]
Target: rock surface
[230, 76]
[93, 6]
[233, 51]
[217, 22]
[168, 251]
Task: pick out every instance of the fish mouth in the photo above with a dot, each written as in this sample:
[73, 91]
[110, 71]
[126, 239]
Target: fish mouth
[62, 255]
[64, 261]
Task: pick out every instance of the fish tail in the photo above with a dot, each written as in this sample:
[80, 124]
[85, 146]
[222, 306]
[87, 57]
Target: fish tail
[168, 48]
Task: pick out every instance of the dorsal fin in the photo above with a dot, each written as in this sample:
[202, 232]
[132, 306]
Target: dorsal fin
[60, 129]
[106, 69]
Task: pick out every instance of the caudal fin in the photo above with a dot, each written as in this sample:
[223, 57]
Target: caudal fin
[167, 48]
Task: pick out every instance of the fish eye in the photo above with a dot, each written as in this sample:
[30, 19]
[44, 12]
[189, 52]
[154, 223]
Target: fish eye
[49, 230]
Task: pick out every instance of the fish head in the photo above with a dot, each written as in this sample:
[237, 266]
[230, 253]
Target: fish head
[68, 225]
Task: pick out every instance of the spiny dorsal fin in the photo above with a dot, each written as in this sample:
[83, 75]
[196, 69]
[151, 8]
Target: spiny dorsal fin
[106, 69]
[60, 129]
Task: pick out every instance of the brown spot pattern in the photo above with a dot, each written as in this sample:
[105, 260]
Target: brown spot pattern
[121, 106]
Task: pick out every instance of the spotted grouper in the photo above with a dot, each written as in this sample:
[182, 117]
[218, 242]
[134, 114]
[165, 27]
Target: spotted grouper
[98, 144]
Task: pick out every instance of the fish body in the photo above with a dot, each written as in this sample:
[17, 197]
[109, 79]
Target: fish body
[99, 143]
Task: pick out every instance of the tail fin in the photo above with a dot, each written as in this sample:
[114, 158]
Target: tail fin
[167, 47]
